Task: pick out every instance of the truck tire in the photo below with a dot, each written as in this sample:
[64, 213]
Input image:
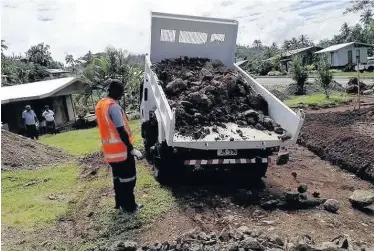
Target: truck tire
[370, 68]
[163, 167]
[249, 175]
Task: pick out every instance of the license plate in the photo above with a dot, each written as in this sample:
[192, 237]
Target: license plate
[227, 152]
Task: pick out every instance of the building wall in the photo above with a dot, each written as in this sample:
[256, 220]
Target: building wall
[341, 56]
[69, 106]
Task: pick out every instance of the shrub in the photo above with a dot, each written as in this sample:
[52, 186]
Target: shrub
[349, 68]
[299, 74]
[324, 75]
[309, 68]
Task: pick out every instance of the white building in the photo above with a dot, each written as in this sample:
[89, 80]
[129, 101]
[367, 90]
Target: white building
[347, 53]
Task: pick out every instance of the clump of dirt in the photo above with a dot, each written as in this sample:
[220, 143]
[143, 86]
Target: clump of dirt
[334, 136]
[206, 93]
[242, 238]
[91, 163]
[18, 152]
[352, 86]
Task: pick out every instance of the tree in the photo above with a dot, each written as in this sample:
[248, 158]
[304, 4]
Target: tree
[299, 74]
[69, 59]
[3, 45]
[359, 5]
[366, 17]
[345, 31]
[294, 43]
[304, 41]
[324, 75]
[39, 54]
[286, 45]
[257, 44]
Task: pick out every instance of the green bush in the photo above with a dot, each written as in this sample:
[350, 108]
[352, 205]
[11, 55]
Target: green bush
[324, 75]
[310, 67]
[349, 68]
[299, 74]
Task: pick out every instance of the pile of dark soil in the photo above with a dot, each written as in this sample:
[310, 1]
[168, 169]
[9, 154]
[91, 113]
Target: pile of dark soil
[332, 136]
[352, 86]
[18, 152]
[206, 93]
[242, 238]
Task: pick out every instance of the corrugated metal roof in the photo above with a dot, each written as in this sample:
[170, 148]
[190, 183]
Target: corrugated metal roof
[52, 71]
[293, 52]
[340, 46]
[35, 90]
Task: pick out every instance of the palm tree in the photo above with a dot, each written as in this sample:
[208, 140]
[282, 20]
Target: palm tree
[69, 59]
[366, 17]
[304, 41]
[274, 47]
[3, 45]
[40, 54]
[294, 43]
[345, 30]
[257, 44]
[286, 45]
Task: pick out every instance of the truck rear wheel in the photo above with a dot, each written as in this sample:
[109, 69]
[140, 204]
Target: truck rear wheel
[164, 168]
[250, 175]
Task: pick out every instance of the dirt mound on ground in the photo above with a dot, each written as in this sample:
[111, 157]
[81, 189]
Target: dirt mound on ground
[206, 93]
[334, 136]
[242, 238]
[18, 152]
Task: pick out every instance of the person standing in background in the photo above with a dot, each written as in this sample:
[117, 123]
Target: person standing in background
[49, 117]
[30, 121]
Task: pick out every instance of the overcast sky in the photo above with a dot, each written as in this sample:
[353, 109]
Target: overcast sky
[76, 26]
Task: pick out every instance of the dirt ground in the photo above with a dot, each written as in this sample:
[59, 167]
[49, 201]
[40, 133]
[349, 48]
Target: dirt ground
[212, 209]
[343, 137]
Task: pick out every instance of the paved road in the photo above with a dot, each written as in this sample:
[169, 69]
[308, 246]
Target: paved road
[271, 81]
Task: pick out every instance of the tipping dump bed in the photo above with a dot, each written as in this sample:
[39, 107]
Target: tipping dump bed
[180, 35]
[283, 115]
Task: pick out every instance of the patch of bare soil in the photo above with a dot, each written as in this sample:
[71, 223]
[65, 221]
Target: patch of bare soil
[206, 93]
[91, 164]
[334, 136]
[213, 208]
[18, 152]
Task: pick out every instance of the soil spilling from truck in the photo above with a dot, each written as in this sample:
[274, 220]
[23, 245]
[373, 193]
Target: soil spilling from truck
[343, 138]
[206, 93]
[18, 152]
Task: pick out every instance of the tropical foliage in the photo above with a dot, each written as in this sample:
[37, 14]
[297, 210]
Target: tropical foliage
[324, 75]
[299, 73]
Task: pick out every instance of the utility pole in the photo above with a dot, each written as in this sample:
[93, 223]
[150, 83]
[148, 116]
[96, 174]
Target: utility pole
[358, 82]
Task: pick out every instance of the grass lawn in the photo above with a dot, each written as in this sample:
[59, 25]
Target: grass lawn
[316, 99]
[81, 142]
[26, 195]
[32, 199]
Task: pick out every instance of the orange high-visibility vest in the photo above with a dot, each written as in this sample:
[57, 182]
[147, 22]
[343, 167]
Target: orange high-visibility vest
[113, 148]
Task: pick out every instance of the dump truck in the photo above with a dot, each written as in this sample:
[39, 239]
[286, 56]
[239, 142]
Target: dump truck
[174, 36]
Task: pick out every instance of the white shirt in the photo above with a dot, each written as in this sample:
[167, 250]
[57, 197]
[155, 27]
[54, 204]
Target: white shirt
[49, 115]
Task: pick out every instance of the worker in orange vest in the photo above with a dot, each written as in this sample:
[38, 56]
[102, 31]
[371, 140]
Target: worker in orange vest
[117, 140]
